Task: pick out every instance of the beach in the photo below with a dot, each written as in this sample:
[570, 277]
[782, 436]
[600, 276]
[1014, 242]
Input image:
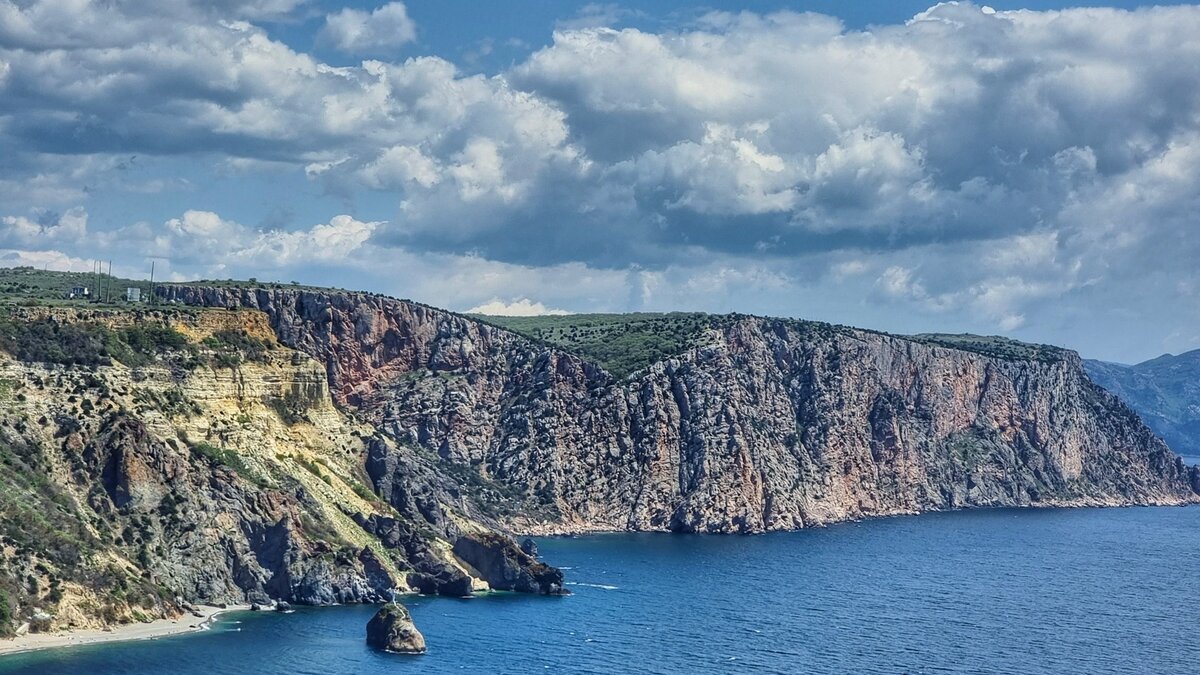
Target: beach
[136, 631]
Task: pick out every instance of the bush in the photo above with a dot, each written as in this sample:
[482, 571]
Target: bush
[45, 341]
[6, 623]
[154, 339]
[227, 458]
[232, 347]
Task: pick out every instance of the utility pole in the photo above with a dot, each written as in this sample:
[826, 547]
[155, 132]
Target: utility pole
[108, 288]
[152, 282]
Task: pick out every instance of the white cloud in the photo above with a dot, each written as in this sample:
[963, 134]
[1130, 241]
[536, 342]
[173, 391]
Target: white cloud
[69, 227]
[46, 259]
[381, 31]
[519, 307]
[976, 165]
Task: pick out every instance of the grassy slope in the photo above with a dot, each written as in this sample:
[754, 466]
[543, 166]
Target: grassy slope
[995, 346]
[626, 343]
[621, 343]
[29, 285]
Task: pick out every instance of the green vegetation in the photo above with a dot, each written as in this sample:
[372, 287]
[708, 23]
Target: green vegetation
[292, 407]
[620, 343]
[315, 470]
[994, 346]
[47, 341]
[232, 347]
[229, 458]
[153, 339]
[85, 344]
[36, 518]
[30, 286]
[6, 622]
[626, 343]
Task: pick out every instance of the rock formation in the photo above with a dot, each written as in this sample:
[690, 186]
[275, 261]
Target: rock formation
[506, 567]
[392, 630]
[765, 424]
[216, 469]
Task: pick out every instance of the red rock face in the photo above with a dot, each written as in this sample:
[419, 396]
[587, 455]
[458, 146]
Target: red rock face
[768, 426]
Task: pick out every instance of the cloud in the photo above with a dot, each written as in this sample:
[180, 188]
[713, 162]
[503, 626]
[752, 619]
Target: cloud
[991, 169]
[47, 228]
[381, 31]
[519, 307]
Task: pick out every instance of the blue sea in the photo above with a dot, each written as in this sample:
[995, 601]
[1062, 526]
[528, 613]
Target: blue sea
[997, 591]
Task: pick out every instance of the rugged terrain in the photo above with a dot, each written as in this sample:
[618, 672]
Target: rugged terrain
[1165, 392]
[153, 459]
[259, 443]
[755, 424]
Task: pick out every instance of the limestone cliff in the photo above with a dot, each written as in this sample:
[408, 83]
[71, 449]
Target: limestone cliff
[168, 457]
[763, 424]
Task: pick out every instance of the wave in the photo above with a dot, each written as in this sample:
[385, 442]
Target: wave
[604, 586]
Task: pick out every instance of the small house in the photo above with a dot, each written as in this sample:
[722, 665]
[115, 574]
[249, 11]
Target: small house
[79, 292]
[133, 295]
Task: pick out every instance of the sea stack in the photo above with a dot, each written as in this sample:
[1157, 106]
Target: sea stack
[392, 630]
[506, 567]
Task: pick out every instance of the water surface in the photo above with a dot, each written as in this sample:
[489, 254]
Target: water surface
[1006, 591]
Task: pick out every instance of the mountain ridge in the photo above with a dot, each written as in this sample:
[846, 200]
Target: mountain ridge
[1165, 391]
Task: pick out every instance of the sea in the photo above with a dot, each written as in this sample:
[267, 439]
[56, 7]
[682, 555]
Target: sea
[983, 591]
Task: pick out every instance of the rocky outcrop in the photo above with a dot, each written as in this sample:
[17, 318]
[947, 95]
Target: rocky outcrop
[766, 425]
[131, 491]
[392, 630]
[506, 567]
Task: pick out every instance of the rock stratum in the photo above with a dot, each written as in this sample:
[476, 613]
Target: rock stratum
[761, 424]
[153, 459]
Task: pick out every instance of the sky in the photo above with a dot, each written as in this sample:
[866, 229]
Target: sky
[1024, 169]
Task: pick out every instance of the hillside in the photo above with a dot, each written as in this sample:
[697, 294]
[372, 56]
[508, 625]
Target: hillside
[275, 442]
[156, 458]
[1164, 391]
[763, 424]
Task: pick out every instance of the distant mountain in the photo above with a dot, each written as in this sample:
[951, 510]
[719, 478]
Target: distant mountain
[1165, 391]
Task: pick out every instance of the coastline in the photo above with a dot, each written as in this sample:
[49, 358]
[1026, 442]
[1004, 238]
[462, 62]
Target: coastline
[158, 628]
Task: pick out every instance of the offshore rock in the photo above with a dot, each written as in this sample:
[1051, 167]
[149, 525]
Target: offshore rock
[506, 567]
[529, 547]
[392, 630]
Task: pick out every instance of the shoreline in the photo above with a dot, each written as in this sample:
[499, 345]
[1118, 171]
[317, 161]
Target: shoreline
[188, 623]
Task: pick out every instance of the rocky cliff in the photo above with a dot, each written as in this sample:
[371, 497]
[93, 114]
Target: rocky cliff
[154, 459]
[759, 424]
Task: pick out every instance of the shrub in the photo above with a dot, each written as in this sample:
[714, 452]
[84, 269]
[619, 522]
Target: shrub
[154, 339]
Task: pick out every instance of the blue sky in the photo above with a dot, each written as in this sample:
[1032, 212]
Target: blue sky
[1005, 168]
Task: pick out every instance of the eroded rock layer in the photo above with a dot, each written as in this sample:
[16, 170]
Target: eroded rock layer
[211, 465]
[767, 425]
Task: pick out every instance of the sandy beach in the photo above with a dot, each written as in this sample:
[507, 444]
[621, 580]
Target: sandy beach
[137, 631]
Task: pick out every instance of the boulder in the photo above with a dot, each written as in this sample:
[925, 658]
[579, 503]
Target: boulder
[529, 547]
[506, 567]
[443, 580]
[392, 630]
